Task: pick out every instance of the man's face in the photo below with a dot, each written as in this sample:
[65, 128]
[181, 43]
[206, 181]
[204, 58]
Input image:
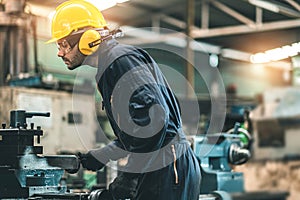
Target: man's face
[70, 55]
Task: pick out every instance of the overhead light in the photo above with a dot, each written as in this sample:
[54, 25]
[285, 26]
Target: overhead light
[105, 4]
[100, 4]
[121, 1]
[276, 54]
[213, 60]
[51, 15]
[38, 10]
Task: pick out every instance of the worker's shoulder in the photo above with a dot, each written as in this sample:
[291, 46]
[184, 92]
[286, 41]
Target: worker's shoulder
[113, 51]
[120, 50]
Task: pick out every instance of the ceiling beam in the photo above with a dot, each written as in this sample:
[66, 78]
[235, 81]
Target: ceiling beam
[232, 30]
[172, 21]
[148, 36]
[294, 4]
[275, 8]
[258, 16]
[252, 25]
[232, 13]
[288, 12]
[150, 11]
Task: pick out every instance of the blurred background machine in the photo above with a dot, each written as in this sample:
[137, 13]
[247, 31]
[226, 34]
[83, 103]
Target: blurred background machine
[275, 162]
[277, 124]
[17, 34]
[219, 154]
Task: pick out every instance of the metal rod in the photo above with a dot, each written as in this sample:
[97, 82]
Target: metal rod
[205, 15]
[190, 13]
[35, 55]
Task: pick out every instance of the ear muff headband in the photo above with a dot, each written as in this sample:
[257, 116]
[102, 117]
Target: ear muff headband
[113, 34]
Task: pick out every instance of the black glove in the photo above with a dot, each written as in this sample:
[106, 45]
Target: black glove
[100, 195]
[124, 186]
[76, 169]
[89, 162]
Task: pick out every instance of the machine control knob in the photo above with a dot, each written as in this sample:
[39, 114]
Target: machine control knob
[31, 125]
[238, 155]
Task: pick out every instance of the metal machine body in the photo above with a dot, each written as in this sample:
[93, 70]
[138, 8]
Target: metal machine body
[24, 172]
[217, 152]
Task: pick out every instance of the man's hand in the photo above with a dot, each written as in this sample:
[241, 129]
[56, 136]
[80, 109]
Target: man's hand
[100, 194]
[89, 162]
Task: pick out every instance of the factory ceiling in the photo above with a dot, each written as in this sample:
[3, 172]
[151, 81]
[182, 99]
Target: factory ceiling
[245, 25]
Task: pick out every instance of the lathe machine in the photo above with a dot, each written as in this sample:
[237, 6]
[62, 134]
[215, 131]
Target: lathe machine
[24, 172]
[27, 174]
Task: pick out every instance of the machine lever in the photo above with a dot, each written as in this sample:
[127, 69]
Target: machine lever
[20, 116]
[31, 114]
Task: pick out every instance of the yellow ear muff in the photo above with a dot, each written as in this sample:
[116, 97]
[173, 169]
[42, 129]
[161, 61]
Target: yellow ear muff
[86, 38]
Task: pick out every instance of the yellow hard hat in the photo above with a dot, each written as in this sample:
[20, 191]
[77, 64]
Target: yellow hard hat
[73, 15]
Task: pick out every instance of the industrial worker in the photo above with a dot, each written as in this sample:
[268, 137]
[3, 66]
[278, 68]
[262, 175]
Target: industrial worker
[141, 108]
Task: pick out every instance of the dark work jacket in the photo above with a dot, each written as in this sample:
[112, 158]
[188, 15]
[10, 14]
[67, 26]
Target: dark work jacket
[144, 115]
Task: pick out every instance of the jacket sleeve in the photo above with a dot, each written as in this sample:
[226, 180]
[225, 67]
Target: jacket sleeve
[112, 151]
[139, 110]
